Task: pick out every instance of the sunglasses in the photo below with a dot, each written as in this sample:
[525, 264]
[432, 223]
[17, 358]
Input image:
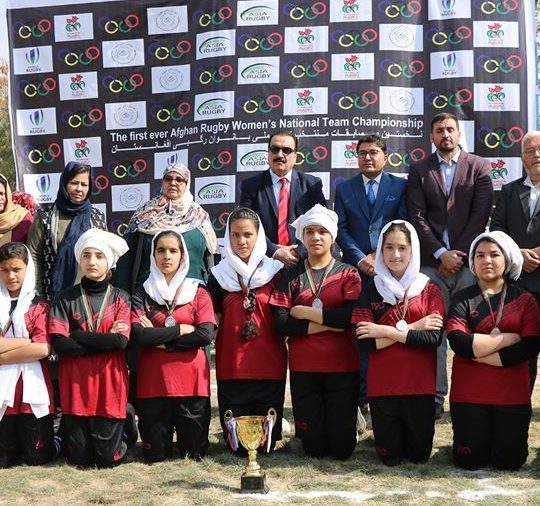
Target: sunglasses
[276, 149]
[171, 179]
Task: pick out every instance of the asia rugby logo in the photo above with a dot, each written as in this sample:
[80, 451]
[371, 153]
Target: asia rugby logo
[215, 45]
[257, 71]
[213, 191]
[258, 13]
[212, 107]
[254, 159]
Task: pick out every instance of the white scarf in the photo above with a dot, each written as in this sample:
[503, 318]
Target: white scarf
[317, 215]
[34, 387]
[227, 270]
[391, 289]
[162, 292]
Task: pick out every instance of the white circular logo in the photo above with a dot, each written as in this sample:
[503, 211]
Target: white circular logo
[123, 53]
[402, 100]
[167, 20]
[402, 36]
[126, 115]
[131, 198]
[171, 79]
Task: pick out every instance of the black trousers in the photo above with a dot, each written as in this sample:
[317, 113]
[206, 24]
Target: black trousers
[93, 440]
[159, 417]
[26, 438]
[488, 434]
[403, 427]
[324, 408]
[251, 397]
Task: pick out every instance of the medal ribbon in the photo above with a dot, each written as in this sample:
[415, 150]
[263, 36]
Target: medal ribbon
[246, 288]
[88, 309]
[402, 311]
[495, 320]
[170, 308]
[316, 290]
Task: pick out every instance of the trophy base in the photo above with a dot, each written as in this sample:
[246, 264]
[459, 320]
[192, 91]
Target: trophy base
[254, 485]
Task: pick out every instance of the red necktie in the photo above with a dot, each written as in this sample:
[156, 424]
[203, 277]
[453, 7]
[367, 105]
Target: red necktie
[283, 213]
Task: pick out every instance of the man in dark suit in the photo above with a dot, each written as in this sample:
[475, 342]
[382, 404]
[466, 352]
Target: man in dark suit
[518, 214]
[449, 199]
[366, 203]
[281, 194]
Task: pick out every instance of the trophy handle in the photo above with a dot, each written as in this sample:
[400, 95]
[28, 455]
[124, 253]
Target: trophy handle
[273, 413]
[228, 415]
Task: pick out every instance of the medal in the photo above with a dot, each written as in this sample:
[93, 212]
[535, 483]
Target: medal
[170, 321]
[495, 319]
[495, 331]
[402, 326]
[249, 301]
[317, 303]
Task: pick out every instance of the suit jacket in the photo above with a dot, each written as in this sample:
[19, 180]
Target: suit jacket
[256, 193]
[464, 212]
[358, 229]
[511, 215]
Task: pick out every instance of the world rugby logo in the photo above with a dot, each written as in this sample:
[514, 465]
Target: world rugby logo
[167, 20]
[171, 79]
[402, 36]
[43, 183]
[131, 198]
[123, 53]
[402, 101]
[126, 115]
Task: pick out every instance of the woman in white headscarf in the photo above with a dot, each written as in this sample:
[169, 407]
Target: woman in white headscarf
[399, 320]
[323, 361]
[89, 325]
[493, 329]
[173, 320]
[26, 400]
[251, 359]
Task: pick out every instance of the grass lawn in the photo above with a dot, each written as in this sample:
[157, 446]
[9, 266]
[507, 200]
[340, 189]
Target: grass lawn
[292, 478]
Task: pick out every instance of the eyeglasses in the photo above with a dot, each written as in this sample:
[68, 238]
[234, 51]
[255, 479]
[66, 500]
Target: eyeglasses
[171, 179]
[532, 151]
[285, 150]
[372, 153]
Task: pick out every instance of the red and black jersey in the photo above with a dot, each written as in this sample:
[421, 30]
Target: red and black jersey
[163, 373]
[400, 369]
[478, 383]
[263, 356]
[36, 323]
[93, 382]
[327, 351]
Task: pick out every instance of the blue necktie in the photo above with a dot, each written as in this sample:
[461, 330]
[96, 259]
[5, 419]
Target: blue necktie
[371, 193]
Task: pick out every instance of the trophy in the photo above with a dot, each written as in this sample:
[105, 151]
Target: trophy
[252, 432]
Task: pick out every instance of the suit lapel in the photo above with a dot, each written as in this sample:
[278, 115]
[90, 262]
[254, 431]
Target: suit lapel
[270, 192]
[382, 193]
[524, 193]
[359, 192]
[437, 173]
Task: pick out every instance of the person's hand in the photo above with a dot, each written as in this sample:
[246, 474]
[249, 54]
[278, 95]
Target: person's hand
[287, 255]
[430, 322]
[367, 265]
[186, 329]
[451, 262]
[531, 259]
[119, 326]
[301, 312]
[145, 322]
[510, 338]
[365, 330]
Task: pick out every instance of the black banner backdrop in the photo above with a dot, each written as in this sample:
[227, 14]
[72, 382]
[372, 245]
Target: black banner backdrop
[129, 86]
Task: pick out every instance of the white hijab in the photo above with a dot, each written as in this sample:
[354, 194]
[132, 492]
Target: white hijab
[317, 215]
[510, 250]
[227, 270]
[156, 285]
[391, 289]
[34, 387]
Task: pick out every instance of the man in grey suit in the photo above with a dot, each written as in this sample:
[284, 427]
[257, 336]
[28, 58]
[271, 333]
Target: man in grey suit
[364, 205]
[518, 214]
[449, 199]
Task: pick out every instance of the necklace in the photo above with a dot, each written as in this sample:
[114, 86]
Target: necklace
[495, 319]
[88, 309]
[316, 290]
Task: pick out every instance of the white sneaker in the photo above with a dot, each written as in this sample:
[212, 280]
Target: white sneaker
[361, 423]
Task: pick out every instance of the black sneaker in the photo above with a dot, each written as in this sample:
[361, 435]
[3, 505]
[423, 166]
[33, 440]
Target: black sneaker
[131, 433]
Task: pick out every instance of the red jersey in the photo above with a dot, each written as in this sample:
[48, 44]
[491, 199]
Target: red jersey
[162, 373]
[36, 324]
[478, 383]
[327, 351]
[262, 357]
[93, 384]
[400, 369]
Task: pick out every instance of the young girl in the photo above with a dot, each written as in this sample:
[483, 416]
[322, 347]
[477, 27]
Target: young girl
[89, 327]
[173, 320]
[323, 361]
[26, 405]
[399, 320]
[493, 329]
[251, 360]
